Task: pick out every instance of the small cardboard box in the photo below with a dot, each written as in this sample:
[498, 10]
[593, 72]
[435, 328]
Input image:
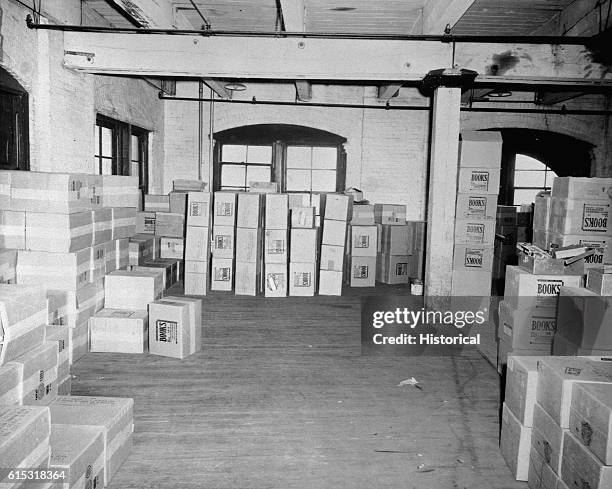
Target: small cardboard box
[124, 222]
[197, 242]
[119, 331]
[473, 257]
[277, 211]
[61, 193]
[38, 369]
[199, 209]
[580, 468]
[275, 279]
[364, 240]
[13, 230]
[362, 271]
[599, 282]
[338, 207]
[24, 429]
[248, 245]
[156, 203]
[102, 225]
[145, 222]
[264, 187]
[480, 149]
[61, 233]
[195, 320]
[302, 279]
[172, 248]
[393, 269]
[547, 439]
[250, 210]
[334, 233]
[223, 241]
[131, 290]
[523, 328]
[478, 180]
[247, 278]
[169, 225]
[120, 191]
[178, 202]
[582, 188]
[330, 282]
[389, 213]
[224, 209]
[304, 244]
[515, 444]
[140, 249]
[476, 206]
[363, 214]
[332, 258]
[62, 271]
[275, 246]
[302, 217]
[470, 231]
[222, 274]
[170, 329]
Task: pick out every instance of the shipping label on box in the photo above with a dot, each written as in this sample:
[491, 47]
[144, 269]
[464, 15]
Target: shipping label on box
[332, 258]
[249, 210]
[302, 278]
[275, 246]
[469, 231]
[277, 211]
[195, 320]
[119, 331]
[481, 180]
[222, 274]
[390, 213]
[334, 232]
[302, 217]
[145, 222]
[197, 241]
[275, 280]
[473, 257]
[304, 245]
[474, 206]
[59, 233]
[225, 209]
[169, 332]
[198, 209]
[248, 245]
[12, 229]
[172, 248]
[123, 222]
[393, 269]
[169, 225]
[397, 239]
[223, 241]
[364, 240]
[156, 203]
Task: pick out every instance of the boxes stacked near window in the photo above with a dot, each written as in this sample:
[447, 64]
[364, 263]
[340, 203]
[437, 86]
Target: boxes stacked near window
[556, 421]
[478, 187]
[304, 246]
[224, 236]
[337, 209]
[197, 245]
[276, 245]
[249, 241]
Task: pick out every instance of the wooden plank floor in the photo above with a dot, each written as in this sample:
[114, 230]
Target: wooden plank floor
[279, 397]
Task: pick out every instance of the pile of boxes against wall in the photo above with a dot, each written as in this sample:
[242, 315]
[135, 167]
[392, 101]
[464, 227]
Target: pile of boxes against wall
[556, 421]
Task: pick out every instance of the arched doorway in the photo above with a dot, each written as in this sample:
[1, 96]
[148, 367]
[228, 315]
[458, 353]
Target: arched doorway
[14, 138]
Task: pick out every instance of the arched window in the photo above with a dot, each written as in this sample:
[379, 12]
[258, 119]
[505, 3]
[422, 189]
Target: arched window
[530, 177]
[14, 139]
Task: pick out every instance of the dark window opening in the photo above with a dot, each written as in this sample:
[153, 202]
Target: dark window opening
[14, 120]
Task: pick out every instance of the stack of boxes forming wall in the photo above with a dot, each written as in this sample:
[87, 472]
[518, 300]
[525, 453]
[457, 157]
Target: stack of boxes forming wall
[197, 243]
[249, 244]
[224, 236]
[478, 187]
[337, 209]
[556, 421]
[303, 247]
[276, 245]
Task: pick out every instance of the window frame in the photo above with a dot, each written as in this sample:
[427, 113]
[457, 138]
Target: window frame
[546, 170]
[11, 89]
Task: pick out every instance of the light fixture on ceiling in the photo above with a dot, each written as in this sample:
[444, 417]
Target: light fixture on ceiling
[499, 94]
[235, 87]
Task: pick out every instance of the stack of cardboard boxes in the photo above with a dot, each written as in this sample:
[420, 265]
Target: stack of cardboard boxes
[224, 236]
[276, 245]
[395, 248]
[363, 246]
[337, 209]
[303, 246]
[249, 238]
[197, 243]
[478, 187]
[555, 422]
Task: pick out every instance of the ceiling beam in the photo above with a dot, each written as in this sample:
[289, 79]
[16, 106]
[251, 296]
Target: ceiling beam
[385, 92]
[304, 90]
[324, 59]
[437, 14]
[551, 98]
[218, 86]
[152, 13]
[293, 15]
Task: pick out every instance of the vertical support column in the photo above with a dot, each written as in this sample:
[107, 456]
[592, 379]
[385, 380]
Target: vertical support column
[442, 191]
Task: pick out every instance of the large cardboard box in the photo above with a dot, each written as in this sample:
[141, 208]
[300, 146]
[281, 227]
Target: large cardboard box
[277, 211]
[113, 415]
[61, 233]
[584, 216]
[178, 202]
[23, 315]
[515, 444]
[332, 258]
[223, 241]
[338, 207]
[275, 246]
[557, 376]
[478, 180]
[156, 203]
[330, 282]
[539, 293]
[39, 374]
[302, 217]
[10, 385]
[581, 188]
[247, 278]
[363, 214]
[547, 438]
[141, 249]
[195, 320]
[248, 245]
[302, 279]
[473, 257]
[470, 231]
[599, 282]
[62, 271]
[522, 386]
[145, 222]
[196, 277]
[393, 269]
[169, 225]
[275, 279]
[476, 206]
[197, 243]
[24, 430]
[362, 271]
[120, 191]
[524, 328]
[170, 328]
[363, 240]
[13, 229]
[580, 468]
[304, 245]
[334, 232]
[222, 274]
[250, 210]
[8, 266]
[199, 209]
[591, 418]
[124, 222]
[131, 290]
[480, 149]
[389, 214]
[78, 452]
[61, 335]
[172, 248]
[61, 193]
[119, 331]
[224, 209]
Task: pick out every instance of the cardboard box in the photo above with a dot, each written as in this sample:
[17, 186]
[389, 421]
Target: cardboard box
[120, 191]
[541, 210]
[248, 245]
[172, 248]
[330, 282]
[197, 242]
[195, 320]
[332, 258]
[582, 188]
[504, 348]
[199, 209]
[78, 452]
[557, 376]
[515, 444]
[393, 269]
[102, 225]
[523, 328]
[334, 233]
[188, 185]
[580, 468]
[396, 239]
[61, 233]
[362, 271]
[25, 430]
[62, 271]
[5, 189]
[538, 293]
[473, 257]
[275, 246]
[304, 245]
[480, 149]
[169, 333]
[169, 225]
[474, 283]
[60, 334]
[275, 279]
[338, 207]
[23, 315]
[277, 211]
[8, 266]
[250, 212]
[476, 206]
[110, 256]
[140, 249]
[124, 222]
[389, 213]
[196, 278]
[156, 203]
[247, 278]
[145, 222]
[61, 193]
[222, 274]
[143, 288]
[264, 187]
[363, 240]
[98, 262]
[541, 475]
[302, 217]
[175, 266]
[38, 371]
[469, 231]
[165, 272]
[12, 229]
[521, 387]
[223, 241]
[119, 331]
[599, 282]
[299, 200]
[112, 415]
[10, 385]
[580, 217]
[478, 180]
[363, 214]
[178, 202]
[79, 341]
[225, 209]
[122, 253]
[547, 439]
[302, 279]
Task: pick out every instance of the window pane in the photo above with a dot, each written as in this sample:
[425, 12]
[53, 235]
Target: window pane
[259, 154]
[525, 196]
[107, 166]
[97, 140]
[233, 153]
[323, 180]
[107, 141]
[324, 158]
[527, 163]
[233, 175]
[257, 174]
[299, 157]
[298, 180]
[550, 176]
[529, 179]
[135, 154]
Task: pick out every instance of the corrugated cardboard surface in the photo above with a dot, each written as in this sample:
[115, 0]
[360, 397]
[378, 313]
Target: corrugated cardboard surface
[199, 209]
[224, 210]
[22, 430]
[277, 211]
[121, 331]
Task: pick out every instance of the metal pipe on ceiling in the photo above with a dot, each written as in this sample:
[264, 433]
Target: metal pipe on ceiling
[388, 106]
